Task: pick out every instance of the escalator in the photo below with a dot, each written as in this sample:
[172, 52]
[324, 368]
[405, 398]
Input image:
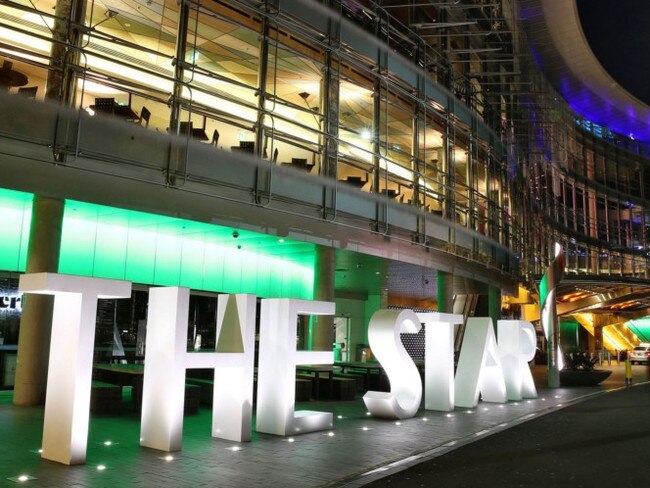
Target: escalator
[617, 336]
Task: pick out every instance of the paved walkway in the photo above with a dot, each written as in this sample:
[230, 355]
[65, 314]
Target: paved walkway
[601, 442]
[359, 450]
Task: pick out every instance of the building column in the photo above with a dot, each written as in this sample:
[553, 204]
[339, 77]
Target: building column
[445, 292]
[599, 324]
[47, 216]
[36, 319]
[61, 78]
[448, 167]
[322, 331]
[330, 103]
[261, 149]
[176, 100]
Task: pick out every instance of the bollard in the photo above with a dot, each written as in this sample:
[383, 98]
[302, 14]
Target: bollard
[628, 371]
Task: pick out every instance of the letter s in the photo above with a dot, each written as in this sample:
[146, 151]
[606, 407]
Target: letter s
[404, 398]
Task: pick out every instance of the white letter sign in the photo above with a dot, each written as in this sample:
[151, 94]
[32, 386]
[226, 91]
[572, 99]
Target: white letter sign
[276, 376]
[67, 401]
[479, 366]
[163, 391]
[166, 360]
[232, 403]
[404, 398]
[517, 342]
[439, 360]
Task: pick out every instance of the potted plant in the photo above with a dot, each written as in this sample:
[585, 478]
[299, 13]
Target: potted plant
[579, 371]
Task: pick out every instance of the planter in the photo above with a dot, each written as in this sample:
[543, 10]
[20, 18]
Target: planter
[571, 377]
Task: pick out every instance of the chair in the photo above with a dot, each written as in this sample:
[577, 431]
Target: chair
[106, 105]
[28, 91]
[247, 146]
[357, 181]
[215, 138]
[145, 115]
[186, 128]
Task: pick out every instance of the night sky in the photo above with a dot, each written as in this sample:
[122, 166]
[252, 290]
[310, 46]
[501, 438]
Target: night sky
[619, 34]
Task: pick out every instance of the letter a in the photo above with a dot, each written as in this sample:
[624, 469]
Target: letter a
[479, 366]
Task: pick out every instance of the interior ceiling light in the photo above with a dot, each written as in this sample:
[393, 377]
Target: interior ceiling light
[109, 14]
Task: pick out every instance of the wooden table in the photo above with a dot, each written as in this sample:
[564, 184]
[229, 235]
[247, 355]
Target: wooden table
[10, 78]
[195, 133]
[118, 374]
[390, 193]
[317, 369]
[122, 111]
[356, 181]
[367, 369]
[133, 375]
[300, 164]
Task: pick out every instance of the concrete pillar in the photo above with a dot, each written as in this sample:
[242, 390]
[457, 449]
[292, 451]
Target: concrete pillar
[36, 319]
[598, 337]
[445, 292]
[61, 82]
[322, 332]
[494, 304]
[47, 216]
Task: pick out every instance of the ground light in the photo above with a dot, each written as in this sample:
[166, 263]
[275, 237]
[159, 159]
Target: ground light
[23, 478]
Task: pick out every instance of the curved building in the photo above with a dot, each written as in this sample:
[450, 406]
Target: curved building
[390, 153]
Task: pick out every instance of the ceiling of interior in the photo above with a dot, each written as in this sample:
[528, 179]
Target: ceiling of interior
[604, 296]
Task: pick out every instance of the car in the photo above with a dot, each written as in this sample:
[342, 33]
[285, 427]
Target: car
[640, 354]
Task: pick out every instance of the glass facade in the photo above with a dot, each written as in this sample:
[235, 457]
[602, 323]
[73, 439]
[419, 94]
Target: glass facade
[368, 95]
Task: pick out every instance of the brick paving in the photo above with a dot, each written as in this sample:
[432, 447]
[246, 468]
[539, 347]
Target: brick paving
[361, 449]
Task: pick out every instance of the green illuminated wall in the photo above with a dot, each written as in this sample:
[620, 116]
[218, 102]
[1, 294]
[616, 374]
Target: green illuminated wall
[569, 334]
[108, 242]
[15, 215]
